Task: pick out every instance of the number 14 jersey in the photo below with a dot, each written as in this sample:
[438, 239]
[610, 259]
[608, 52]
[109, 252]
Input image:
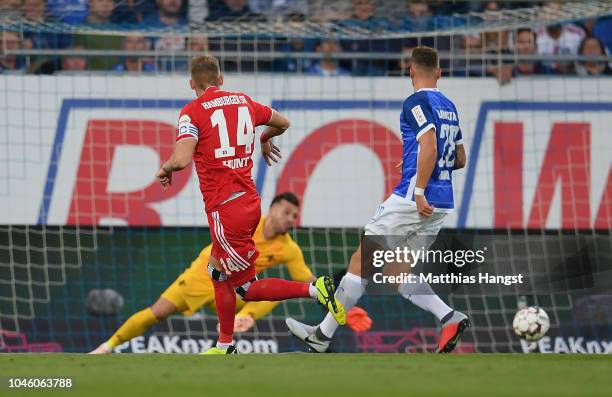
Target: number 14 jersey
[223, 123]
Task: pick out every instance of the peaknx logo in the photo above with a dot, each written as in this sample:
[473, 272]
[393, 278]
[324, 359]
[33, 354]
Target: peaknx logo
[530, 164]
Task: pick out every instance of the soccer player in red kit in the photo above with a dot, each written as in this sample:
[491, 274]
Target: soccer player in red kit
[217, 131]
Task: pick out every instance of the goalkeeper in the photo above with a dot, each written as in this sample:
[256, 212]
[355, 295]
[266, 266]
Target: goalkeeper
[193, 288]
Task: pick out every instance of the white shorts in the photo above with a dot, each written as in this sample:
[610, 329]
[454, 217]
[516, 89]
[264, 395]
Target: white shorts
[401, 224]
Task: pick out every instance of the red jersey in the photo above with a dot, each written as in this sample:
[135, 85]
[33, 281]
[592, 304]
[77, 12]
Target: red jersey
[224, 124]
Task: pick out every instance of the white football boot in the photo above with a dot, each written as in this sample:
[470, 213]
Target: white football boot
[310, 335]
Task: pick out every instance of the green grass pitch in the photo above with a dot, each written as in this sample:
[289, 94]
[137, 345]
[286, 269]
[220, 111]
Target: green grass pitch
[322, 375]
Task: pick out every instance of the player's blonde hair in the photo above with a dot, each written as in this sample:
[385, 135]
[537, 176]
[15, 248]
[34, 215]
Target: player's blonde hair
[205, 71]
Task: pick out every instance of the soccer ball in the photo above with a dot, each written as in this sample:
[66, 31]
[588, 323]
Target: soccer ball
[531, 323]
[103, 302]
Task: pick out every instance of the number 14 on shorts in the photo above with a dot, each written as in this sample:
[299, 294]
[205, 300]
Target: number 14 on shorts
[229, 265]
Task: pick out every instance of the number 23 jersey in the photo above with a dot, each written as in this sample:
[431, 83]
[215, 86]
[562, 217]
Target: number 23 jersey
[223, 123]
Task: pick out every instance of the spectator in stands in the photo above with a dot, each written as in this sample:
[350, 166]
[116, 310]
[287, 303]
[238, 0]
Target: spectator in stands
[325, 10]
[9, 41]
[496, 43]
[100, 15]
[169, 14]
[470, 62]
[280, 8]
[229, 9]
[418, 15]
[557, 39]
[291, 64]
[68, 11]
[328, 65]
[194, 45]
[592, 46]
[491, 6]
[133, 11]
[136, 63]
[100, 12]
[364, 15]
[10, 10]
[197, 44]
[525, 44]
[74, 62]
[418, 9]
[34, 10]
[363, 10]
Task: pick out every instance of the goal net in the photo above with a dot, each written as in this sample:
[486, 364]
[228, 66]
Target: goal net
[87, 238]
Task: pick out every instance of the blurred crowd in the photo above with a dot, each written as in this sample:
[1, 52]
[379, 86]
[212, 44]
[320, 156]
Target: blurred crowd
[503, 54]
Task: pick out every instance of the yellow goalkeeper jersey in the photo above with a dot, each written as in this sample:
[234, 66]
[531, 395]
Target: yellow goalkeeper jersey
[281, 250]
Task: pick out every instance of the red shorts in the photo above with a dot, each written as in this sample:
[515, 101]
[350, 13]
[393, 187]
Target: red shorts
[232, 226]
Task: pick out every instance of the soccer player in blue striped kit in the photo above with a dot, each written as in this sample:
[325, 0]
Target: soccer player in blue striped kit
[432, 150]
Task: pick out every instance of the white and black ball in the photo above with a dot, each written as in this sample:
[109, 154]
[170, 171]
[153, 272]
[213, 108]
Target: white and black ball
[531, 323]
[104, 302]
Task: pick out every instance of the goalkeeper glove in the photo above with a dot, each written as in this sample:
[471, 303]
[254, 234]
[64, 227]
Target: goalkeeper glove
[358, 320]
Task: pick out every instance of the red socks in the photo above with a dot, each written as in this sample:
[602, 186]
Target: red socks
[276, 289]
[225, 297]
[267, 289]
